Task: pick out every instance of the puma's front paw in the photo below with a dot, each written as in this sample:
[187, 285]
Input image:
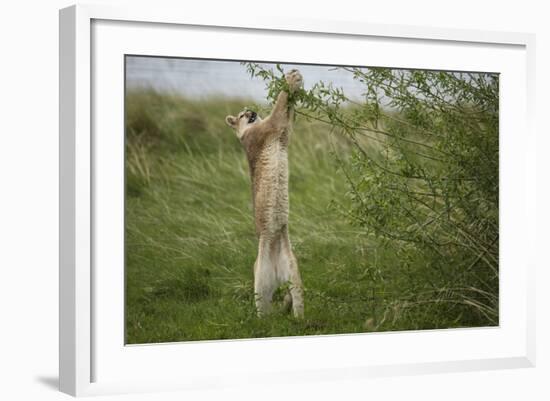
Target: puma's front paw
[294, 80]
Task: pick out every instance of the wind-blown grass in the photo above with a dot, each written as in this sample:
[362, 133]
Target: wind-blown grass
[190, 242]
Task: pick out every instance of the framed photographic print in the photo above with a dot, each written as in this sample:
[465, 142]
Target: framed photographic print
[354, 198]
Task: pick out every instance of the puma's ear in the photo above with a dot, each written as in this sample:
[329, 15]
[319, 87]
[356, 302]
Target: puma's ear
[231, 121]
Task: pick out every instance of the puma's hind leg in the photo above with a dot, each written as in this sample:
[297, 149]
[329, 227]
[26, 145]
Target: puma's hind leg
[296, 289]
[264, 279]
[295, 297]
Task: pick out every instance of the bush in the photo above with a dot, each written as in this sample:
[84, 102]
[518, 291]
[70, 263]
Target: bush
[422, 177]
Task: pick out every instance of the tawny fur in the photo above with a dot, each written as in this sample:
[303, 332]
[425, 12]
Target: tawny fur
[266, 145]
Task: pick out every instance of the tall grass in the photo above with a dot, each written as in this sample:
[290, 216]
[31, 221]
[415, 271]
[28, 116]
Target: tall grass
[190, 242]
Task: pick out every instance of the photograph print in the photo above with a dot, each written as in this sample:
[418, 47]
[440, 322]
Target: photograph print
[271, 199]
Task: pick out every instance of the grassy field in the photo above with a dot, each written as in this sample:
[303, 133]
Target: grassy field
[190, 242]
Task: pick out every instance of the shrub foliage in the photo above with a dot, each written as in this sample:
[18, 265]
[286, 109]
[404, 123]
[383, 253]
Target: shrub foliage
[422, 177]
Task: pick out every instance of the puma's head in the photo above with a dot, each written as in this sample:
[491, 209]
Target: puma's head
[244, 120]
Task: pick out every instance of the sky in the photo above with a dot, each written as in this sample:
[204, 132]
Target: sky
[194, 78]
[201, 78]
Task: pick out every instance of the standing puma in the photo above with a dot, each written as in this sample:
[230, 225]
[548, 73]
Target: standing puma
[266, 145]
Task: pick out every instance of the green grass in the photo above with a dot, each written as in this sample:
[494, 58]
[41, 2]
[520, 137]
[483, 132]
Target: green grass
[190, 242]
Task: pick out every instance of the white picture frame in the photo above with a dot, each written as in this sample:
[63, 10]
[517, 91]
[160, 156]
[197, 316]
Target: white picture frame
[95, 361]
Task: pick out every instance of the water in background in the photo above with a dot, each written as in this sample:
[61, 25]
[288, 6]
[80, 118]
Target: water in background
[194, 78]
